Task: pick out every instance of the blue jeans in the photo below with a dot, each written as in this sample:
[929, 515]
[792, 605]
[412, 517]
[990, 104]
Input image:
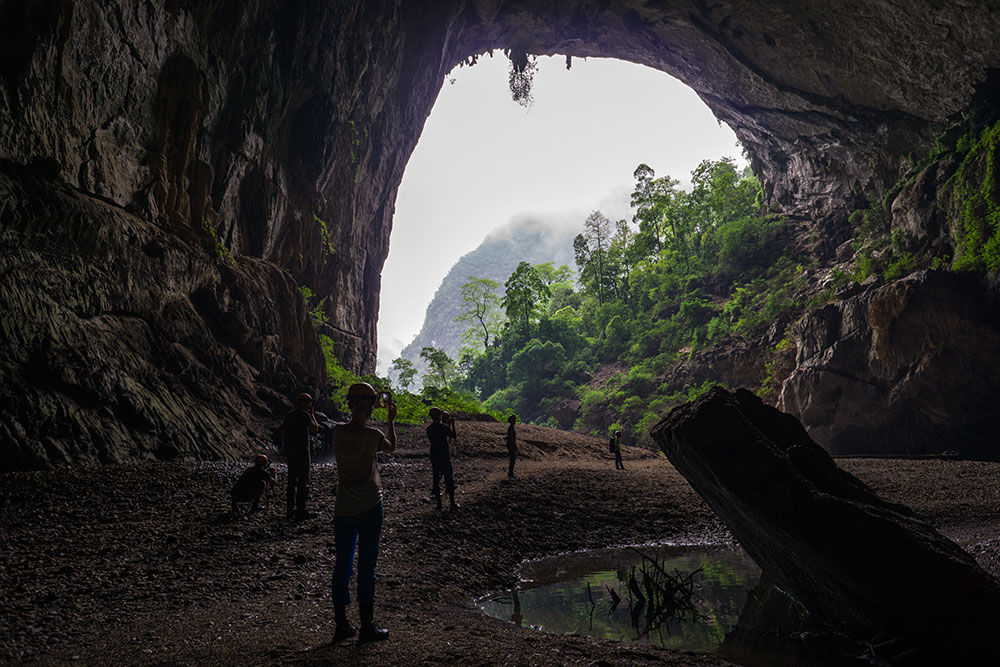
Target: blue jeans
[364, 531]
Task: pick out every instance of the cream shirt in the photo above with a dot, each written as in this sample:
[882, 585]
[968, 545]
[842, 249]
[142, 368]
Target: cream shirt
[359, 487]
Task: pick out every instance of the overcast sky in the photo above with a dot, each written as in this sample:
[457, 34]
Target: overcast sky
[482, 159]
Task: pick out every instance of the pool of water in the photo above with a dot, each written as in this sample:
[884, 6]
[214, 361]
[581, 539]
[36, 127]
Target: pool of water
[576, 594]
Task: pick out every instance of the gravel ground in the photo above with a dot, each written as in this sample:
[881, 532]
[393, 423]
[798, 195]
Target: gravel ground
[143, 564]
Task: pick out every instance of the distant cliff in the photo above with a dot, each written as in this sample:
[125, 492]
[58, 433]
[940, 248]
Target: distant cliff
[527, 239]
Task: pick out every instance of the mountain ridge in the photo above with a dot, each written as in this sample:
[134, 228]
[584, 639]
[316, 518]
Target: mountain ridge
[529, 239]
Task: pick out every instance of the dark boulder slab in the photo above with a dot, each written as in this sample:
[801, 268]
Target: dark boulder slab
[856, 561]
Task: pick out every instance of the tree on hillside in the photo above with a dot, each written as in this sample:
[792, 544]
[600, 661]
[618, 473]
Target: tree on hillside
[552, 275]
[405, 372]
[658, 205]
[524, 295]
[481, 306]
[439, 367]
[536, 362]
[597, 232]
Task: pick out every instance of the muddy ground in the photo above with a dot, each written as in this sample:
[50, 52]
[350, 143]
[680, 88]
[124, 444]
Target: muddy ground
[143, 564]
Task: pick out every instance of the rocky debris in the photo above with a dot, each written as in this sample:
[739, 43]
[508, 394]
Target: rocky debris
[907, 367]
[851, 558]
[142, 562]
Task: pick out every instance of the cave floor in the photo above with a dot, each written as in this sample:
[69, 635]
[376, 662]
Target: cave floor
[143, 563]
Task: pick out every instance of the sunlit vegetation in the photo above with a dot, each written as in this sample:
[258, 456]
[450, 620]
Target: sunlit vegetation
[691, 268]
[963, 163]
[592, 347]
[411, 407]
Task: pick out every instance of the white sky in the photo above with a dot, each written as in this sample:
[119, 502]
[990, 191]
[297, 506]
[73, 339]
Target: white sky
[482, 159]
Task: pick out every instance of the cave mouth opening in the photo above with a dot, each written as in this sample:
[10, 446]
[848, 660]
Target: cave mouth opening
[485, 164]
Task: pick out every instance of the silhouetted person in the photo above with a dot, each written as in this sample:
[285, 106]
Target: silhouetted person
[511, 445]
[295, 431]
[616, 447]
[357, 513]
[252, 484]
[438, 433]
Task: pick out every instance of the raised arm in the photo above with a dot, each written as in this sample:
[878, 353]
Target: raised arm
[389, 443]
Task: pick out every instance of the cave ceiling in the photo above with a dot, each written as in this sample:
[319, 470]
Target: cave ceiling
[278, 132]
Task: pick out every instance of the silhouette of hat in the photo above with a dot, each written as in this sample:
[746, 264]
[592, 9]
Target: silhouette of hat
[434, 411]
[360, 391]
[260, 458]
[304, 397]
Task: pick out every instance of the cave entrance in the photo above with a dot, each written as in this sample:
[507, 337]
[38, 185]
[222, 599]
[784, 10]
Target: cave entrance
[484, 163]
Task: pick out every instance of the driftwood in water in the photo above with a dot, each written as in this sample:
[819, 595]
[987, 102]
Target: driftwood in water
[656, 595]
[851, 558]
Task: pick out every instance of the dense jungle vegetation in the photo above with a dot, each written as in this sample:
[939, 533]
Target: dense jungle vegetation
[591, 347]
[691, 268]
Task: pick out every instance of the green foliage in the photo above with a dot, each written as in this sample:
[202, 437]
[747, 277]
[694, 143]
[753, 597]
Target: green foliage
[977, 198]
[691, 269]
[524, 294]
[410, 408]
[481, 307]
[221, 250]
[440, 368]
[495, 260]
[405, 372]
[770, 387]
[317, 315]
[329, 246]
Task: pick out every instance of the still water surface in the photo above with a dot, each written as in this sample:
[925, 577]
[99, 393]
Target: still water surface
[553, 595]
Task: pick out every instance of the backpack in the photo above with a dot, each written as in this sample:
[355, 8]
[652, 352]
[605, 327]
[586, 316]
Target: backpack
[611, 444]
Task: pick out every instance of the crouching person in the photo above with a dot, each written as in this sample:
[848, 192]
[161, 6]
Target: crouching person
[357, 513]
[253, 483]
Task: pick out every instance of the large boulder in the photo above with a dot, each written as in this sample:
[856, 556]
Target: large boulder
[851, 558]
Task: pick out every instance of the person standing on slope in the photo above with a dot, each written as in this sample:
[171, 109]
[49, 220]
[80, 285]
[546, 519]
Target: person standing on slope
[439, 433]
[358, 512]
[511, 445]
[295, 431]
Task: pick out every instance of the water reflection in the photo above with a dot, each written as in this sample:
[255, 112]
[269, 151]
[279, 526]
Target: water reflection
[589, 593]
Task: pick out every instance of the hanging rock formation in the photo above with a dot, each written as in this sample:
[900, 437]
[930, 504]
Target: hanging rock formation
[851, 558]
[263, 143]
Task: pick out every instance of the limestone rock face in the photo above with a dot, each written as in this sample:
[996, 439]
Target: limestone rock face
[277, 132]
[858, 562]
[120, 341]
[905, 367]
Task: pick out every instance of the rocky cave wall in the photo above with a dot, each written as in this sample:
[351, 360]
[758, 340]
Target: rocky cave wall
[173, 170]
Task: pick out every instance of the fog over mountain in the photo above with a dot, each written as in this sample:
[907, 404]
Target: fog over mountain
[532, 237]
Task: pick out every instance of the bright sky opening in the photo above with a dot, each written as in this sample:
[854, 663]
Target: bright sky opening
[482, 159]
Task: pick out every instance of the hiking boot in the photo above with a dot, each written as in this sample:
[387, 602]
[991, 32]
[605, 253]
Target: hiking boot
[344, 630]
[369, 633]
[454, 505]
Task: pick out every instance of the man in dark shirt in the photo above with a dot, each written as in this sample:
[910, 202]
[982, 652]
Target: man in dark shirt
[438, 434]
[511, 445]
[252, 484]
[295, 431]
